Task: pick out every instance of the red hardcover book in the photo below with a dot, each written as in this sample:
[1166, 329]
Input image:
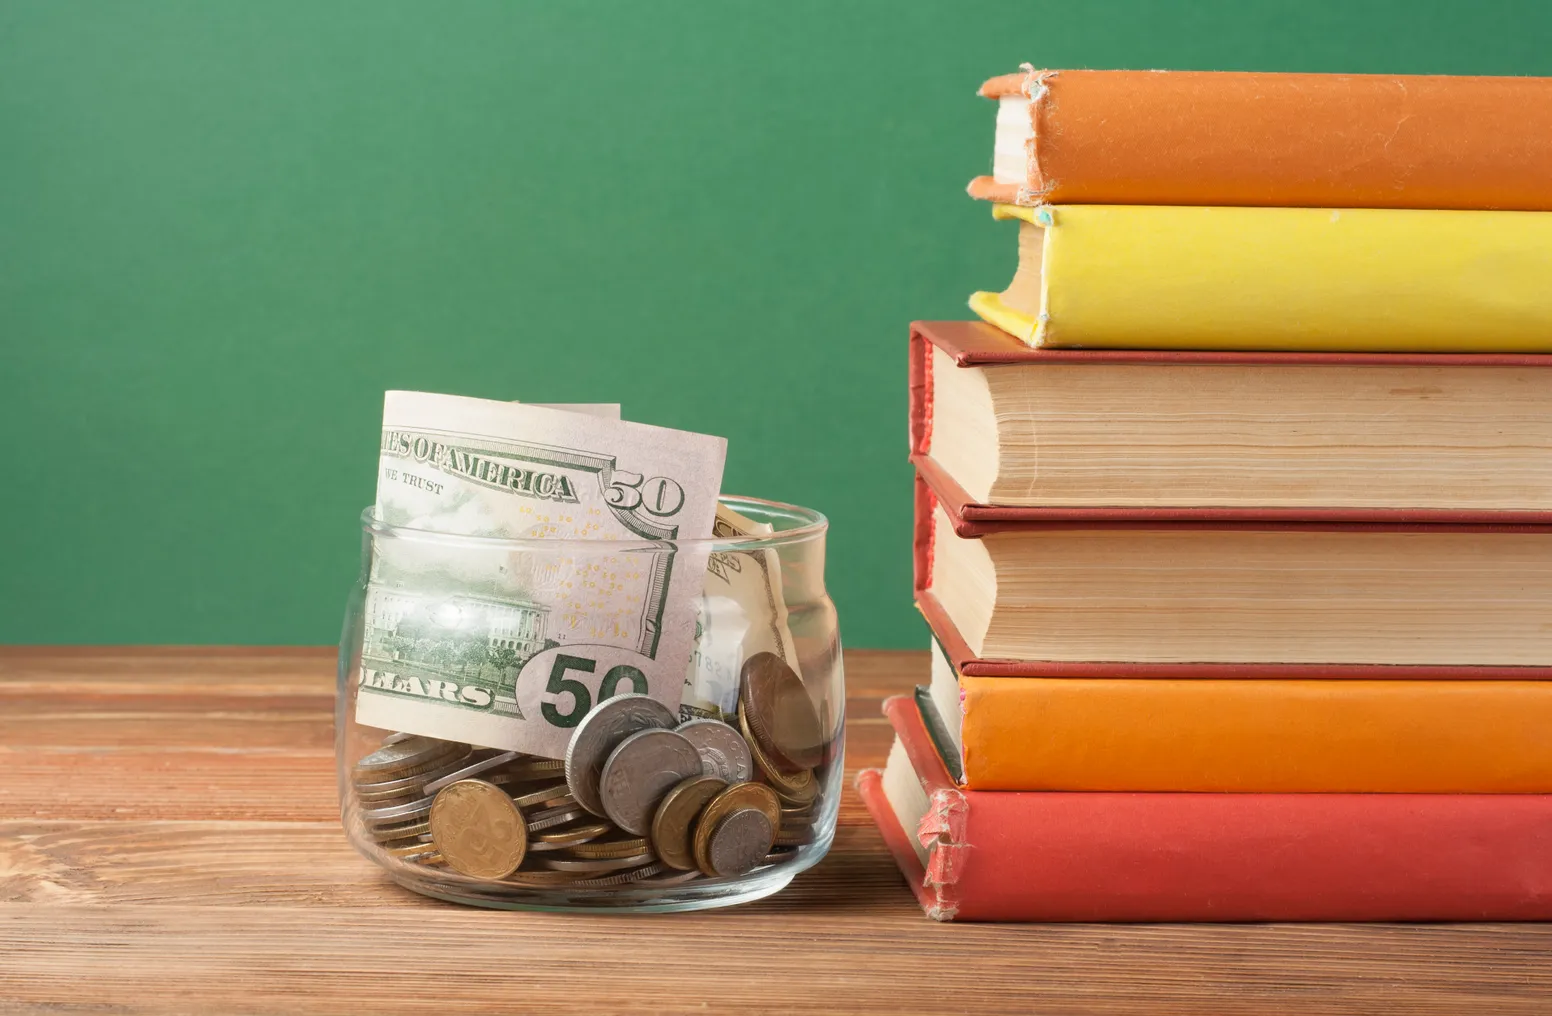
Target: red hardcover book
[1034, 856]
[1494, 584]
[1342, 423]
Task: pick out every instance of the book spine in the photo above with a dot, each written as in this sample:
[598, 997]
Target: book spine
[921, 536]
[1293, 279]
[919, 406]
[1334, 140]
[1221, 857]
[1266, 736]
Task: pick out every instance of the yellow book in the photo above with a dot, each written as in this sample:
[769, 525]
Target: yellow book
[1316, 279]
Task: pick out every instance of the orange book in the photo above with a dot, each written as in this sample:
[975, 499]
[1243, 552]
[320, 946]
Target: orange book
[1230, 138]
[1259, 736]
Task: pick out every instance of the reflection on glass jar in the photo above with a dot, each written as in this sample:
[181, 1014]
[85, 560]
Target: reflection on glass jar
[510, 733]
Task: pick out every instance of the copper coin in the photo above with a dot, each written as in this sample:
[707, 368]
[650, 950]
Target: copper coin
[781, 715]
[799, 788]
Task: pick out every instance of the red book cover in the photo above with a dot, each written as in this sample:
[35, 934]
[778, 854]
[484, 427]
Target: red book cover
[966, 662]
[977, 344]
[1035, 856]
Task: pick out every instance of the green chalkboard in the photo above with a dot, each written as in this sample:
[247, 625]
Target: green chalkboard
[227, 227]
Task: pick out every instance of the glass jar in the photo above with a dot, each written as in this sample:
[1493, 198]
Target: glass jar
[457, 651]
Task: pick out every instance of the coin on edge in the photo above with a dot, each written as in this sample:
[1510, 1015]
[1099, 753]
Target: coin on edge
[800, 788]
[644, 767]
[403, 758]
[599, 733]
[478, 830]
[574, 836]
[595, 865]
[724, 752]
[549, 818]
[780, 713]
[475, 769]
[621, 878]
[613, 848]
[675, 820]
[739, 842]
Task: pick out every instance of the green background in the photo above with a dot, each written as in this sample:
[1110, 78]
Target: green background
[226, 228]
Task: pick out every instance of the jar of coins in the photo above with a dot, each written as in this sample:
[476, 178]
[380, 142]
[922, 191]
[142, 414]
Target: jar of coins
[647, 723]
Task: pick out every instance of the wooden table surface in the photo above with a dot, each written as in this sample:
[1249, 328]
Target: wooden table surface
[169, 842]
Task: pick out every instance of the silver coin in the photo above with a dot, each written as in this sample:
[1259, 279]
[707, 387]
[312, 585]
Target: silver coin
[396, 830]
[555, 795]
[397, 811]
[417, 784]
[646, 765]
[621, 877]
[724, 752]
[552, 817]
[676, 878]
[599, 733]
[405, 754]
[444, 778]
[740, 842]
[596, 865]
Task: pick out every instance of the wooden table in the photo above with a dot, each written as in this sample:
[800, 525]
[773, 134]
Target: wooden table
[169, 842]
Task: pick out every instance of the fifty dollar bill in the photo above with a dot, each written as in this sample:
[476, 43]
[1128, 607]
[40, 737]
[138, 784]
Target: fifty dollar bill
[511, 648]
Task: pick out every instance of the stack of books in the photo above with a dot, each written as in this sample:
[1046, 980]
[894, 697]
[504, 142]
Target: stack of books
[1234, 511]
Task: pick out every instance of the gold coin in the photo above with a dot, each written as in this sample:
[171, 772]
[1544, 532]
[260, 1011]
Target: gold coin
[612, 848]
[796, 788]
[800, 789]
[573, 836]
[675, 818]
[557, 792]
[478, 829]
[389, 832]
[535, 767]
[740, 795]
[542, 879]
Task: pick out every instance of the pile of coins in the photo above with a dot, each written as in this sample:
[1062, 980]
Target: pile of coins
[639, 799]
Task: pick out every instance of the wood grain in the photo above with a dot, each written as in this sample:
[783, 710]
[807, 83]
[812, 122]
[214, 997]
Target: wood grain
[169, 843]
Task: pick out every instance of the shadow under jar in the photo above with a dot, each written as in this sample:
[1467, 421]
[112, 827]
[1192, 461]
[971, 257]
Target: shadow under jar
[499, 741]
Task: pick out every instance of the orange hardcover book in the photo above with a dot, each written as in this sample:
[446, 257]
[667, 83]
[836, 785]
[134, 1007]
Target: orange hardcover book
[1247, 736]
[1231, 138]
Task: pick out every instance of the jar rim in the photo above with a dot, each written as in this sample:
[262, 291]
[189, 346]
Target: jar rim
[812, 523]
